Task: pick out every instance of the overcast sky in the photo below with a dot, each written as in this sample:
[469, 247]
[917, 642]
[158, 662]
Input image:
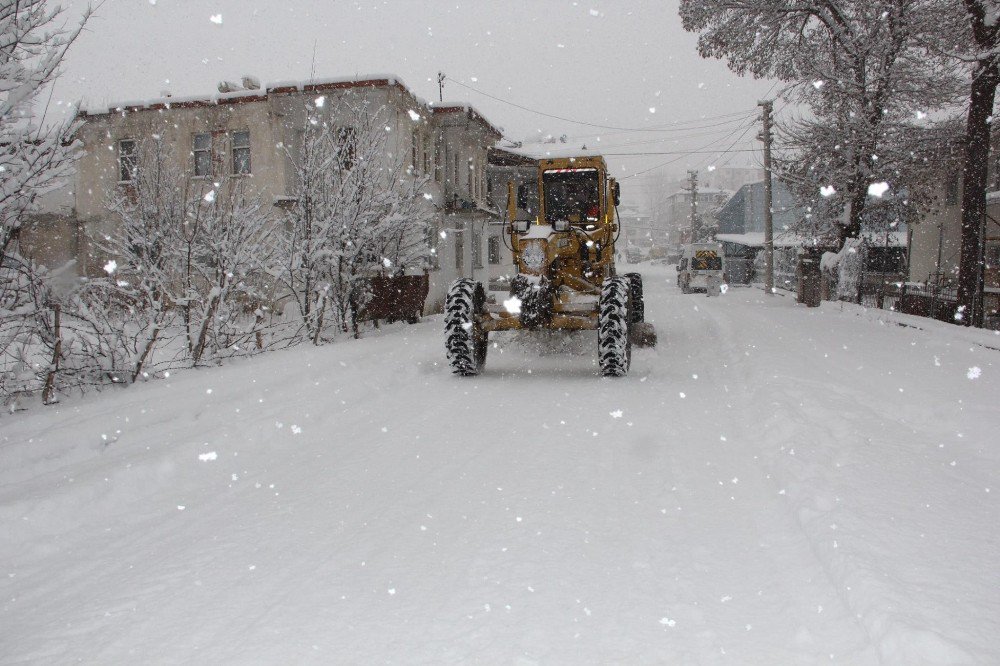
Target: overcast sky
[626, 65]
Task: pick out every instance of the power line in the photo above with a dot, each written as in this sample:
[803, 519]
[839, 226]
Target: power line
[662, 128]
[682, 152]
[646, 142]
[710, 143]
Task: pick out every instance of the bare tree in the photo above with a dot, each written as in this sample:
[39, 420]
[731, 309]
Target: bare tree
[234, 258]
[357, 212]
[150, 214]
[34, 158]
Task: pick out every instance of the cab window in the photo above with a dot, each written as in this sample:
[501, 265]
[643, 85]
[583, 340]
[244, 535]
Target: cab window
[572, 194]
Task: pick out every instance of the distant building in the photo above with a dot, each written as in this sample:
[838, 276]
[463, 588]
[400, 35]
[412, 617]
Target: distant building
[741, 227]
[680, 228]
[935, 245]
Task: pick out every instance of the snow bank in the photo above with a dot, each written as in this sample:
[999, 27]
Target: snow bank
[771, 484]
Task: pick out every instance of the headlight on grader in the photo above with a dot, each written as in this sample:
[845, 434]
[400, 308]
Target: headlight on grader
[560, 225]
[533, 255]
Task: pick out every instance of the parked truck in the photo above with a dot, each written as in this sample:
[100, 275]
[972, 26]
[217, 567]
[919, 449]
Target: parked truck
[701, 268]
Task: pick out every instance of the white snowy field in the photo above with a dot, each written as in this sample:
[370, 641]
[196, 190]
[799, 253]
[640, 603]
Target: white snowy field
[771, 485]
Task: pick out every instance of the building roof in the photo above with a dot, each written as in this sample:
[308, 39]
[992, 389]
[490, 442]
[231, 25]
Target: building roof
[550, 151]
[498, 156]
[756, 239]
[260, 94]
[469, 111]
[790, 239]
[289, 87]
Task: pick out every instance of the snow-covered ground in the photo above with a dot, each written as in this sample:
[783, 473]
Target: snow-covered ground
[771, 485]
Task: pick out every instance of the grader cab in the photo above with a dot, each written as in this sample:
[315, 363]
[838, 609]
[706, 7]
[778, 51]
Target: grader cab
[562, 231]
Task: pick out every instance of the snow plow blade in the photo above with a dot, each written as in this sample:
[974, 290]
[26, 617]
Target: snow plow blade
[642, 334]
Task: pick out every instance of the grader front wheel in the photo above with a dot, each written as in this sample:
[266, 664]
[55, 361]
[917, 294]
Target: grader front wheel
[465, 339]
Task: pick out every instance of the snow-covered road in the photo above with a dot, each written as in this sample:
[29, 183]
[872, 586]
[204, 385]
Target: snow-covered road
[772, 484]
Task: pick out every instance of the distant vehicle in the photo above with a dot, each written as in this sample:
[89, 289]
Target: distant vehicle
[634, 254]
[701, 267]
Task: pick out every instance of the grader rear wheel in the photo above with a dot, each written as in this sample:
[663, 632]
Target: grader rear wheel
[638, 304]
[614, 347]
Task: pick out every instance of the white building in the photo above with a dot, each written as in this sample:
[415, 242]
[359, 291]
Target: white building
[251, 135]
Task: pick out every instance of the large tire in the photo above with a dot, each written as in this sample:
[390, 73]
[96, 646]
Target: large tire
[614, 348]
[638, 304]
[465, 339]
[536, 301]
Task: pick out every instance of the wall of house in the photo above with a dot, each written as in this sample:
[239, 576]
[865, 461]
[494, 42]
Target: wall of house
[49, 236]
[468, 219]
[98, 169]
[939, 229]
[422, 142]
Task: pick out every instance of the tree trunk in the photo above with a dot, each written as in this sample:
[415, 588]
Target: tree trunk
[985, 78]
[49, 392]
[977, 150]
[199, 347]
[145, 353]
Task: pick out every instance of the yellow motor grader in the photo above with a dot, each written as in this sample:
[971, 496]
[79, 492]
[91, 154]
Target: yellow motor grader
[562, 231]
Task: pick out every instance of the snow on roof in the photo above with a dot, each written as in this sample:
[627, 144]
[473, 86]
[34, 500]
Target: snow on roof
[790, 239]
[756, 239]
[280, 87]
[337, 81]
[468, 109]
[896, 238]
[556, 151]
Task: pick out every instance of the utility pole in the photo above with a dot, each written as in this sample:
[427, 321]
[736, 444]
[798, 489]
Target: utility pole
[440, 86]
[695, 224]
[766, 137]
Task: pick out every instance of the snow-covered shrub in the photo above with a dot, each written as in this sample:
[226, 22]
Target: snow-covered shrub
[357, 212]
[34, 159]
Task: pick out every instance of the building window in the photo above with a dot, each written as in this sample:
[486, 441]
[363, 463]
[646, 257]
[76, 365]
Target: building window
[477, 247]
[455, 182]
[438, 165]
[202, 151]
[992, 255]
[460, 251]
[427, 155]
[241, 152]
[128, 160]
[951, 190]
[413, 152]
[433, 244]
[347, 142]
[493, 250]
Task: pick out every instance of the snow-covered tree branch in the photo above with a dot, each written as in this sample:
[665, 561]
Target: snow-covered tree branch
[357, 212]
[861, 68]
[34, 158]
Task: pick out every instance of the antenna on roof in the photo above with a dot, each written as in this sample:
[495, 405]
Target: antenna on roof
[312, 71]
[440, 86]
